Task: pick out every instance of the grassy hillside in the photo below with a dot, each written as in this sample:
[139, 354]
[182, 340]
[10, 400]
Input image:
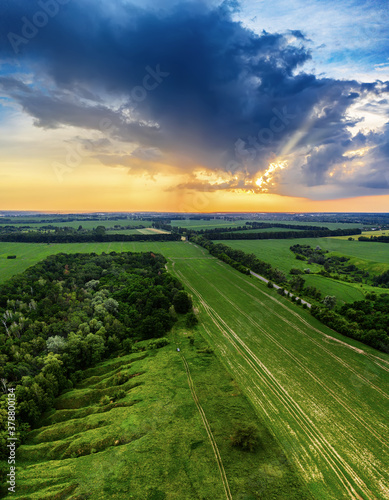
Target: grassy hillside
[152, 443]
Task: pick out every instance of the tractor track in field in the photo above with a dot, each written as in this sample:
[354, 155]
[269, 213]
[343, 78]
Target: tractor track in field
[208, 430]
[319, 344]
[340, 468]
[304, 368]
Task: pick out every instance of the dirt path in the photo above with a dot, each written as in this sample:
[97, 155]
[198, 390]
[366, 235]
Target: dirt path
[208, 430]
[279, 288]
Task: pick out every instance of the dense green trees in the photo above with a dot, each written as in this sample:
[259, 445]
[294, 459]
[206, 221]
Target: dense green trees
[71, 311]
[275, 235]
[73, 236]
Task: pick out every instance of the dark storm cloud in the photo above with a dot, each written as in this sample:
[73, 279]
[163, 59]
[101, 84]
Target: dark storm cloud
[189, 79]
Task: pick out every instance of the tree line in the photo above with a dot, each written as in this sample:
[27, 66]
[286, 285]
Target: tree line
[88, 237]
[380, 239]
[320, 233]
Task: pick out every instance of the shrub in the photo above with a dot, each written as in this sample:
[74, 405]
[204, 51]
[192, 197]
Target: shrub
[11, 257]
[245, 437]
[191, 320]
[270, 284]
[157, 343]
[105, 400]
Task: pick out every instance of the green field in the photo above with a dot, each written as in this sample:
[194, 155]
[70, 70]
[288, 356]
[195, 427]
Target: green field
[322, 396]
[371, 257]
[29, 254]
[325, 401]
[153, 443]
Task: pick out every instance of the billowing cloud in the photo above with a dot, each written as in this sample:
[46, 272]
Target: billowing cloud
[188, 85]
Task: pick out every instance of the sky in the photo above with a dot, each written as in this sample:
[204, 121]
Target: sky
[205, 106]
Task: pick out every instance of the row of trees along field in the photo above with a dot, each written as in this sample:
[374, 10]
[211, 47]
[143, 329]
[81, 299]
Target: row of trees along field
[85, 237]
[277, 235]
[373, 332]
[71, 311]
[380, 239]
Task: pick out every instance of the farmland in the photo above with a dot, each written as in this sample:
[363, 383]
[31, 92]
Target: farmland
[325, 401]
[323, 397]
[371, 257]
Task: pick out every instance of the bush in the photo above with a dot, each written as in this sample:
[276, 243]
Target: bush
[182, 302]
[191, 320]
[105, 400]
[11, 256]
[158, 343]
[245, 437]
[270, 284]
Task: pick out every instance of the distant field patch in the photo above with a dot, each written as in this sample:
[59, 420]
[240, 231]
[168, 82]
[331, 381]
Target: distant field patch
[384, 232]
[372, 257]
